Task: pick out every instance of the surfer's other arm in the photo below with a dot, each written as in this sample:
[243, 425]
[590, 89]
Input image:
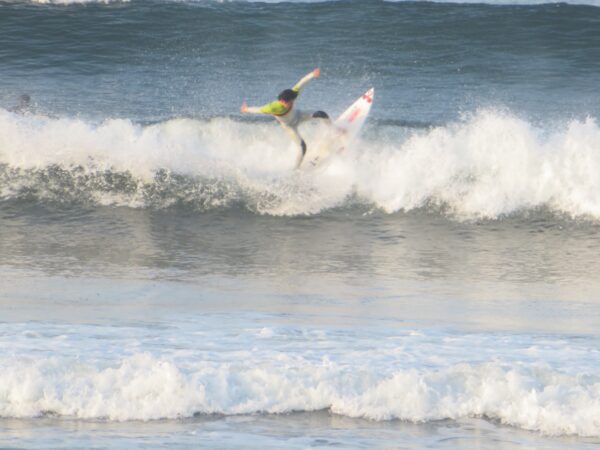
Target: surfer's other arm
[275, 108]
[285, 100]
[306, 78]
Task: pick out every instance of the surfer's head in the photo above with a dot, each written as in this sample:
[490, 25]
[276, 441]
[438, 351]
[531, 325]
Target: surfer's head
[287, 96]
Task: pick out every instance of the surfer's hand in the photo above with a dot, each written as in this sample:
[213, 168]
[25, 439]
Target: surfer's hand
[244, 107]
[316, 72]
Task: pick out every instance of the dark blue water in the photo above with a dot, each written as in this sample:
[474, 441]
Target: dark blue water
[149, 60]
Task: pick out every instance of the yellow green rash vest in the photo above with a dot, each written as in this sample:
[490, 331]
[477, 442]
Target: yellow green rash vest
[275, 107]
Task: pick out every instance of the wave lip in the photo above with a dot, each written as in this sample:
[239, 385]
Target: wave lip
[490, 165]
[142, 387]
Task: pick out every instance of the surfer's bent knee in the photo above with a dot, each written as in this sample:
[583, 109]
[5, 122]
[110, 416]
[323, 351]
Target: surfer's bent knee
[320, 115]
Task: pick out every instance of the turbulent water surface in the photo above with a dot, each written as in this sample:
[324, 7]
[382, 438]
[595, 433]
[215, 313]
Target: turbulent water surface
[167, 278]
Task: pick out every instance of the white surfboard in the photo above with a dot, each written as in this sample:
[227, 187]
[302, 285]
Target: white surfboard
[344, 130]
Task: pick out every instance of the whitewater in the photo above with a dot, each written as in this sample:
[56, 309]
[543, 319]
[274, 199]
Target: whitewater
[373, 374]
[489, 165]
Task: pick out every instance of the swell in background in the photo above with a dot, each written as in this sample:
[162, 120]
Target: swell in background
[429, 62]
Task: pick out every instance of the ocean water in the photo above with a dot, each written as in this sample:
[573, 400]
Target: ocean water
[168, 280]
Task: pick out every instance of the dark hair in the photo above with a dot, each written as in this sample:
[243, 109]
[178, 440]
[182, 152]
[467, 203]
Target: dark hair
[287, 95]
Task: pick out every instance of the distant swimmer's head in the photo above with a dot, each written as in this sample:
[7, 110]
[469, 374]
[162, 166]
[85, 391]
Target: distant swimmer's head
[24, 100]
[23, 106]
[287, 96]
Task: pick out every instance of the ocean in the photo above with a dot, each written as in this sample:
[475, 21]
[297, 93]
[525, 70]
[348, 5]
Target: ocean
[168, 280]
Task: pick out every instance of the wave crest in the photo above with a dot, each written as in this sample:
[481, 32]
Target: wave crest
[487, 165]
[143, 387]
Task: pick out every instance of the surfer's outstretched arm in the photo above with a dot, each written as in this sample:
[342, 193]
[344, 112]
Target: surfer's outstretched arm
[250, 109]
[273, 108]
[306, 78]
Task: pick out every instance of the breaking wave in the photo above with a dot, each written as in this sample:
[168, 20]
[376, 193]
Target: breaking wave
[143, 387]
[489, 164]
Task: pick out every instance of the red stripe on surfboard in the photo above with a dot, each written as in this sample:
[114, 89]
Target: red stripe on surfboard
[353, 115]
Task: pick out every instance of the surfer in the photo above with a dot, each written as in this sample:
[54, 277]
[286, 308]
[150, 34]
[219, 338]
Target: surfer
[283, 110]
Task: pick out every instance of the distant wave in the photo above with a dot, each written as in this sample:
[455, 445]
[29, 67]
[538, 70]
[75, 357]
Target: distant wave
[488, 2]
[488, 165]
[75, 2]
[508, 2]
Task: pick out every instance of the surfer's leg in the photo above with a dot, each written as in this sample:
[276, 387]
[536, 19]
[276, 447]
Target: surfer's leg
[293, 132]
[302, 149]
[301, 157]
[320, 115]
[303, 116]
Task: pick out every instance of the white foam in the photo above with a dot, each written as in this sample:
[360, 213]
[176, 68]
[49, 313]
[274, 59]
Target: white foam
[143, 387]
[196, 365]
[489, 164]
